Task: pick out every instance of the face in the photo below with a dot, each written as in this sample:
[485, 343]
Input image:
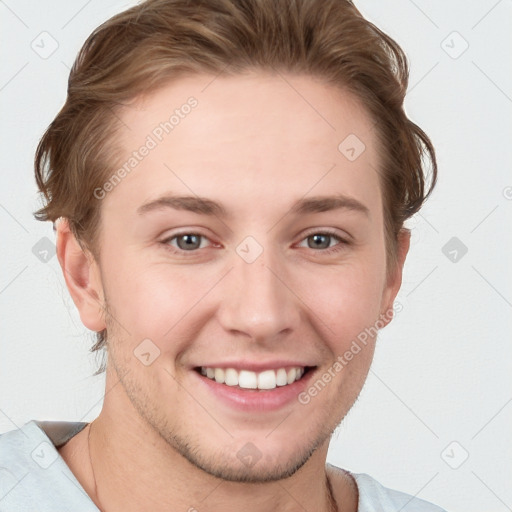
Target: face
[223, 314]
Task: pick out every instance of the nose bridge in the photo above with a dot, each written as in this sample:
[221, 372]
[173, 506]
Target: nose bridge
[257, 302]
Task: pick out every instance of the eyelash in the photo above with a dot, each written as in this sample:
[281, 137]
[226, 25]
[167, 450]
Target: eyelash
[338, 247]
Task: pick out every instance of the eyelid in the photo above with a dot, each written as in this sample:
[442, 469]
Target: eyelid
[344, 236]
[166, 240]
[343, 242]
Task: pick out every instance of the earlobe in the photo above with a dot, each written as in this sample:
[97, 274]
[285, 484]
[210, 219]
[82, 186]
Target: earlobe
[395, 279]
[82, 277]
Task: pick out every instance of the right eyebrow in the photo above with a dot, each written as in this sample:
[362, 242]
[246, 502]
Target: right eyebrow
[190, 203]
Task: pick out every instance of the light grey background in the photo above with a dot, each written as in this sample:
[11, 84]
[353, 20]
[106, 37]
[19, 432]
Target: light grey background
[440, 386]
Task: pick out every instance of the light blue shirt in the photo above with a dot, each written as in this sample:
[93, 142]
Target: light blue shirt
[35, 478]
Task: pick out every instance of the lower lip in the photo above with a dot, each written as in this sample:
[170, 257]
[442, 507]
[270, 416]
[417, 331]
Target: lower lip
[256, 400]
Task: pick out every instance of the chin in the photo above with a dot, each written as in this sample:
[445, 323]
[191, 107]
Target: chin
[267, 457]
[249, 465]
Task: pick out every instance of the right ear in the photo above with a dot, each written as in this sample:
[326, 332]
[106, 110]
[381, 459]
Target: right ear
[82, 276]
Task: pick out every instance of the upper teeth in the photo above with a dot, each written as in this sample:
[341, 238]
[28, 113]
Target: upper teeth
[267, 379]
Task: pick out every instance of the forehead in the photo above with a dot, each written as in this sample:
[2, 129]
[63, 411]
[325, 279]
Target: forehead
[247, 136]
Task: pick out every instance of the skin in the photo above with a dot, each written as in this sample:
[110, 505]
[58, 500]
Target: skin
[255, 144]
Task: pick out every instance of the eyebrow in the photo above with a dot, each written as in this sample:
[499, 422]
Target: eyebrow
[206, 206]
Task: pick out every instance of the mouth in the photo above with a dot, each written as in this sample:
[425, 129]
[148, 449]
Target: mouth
[248, 380]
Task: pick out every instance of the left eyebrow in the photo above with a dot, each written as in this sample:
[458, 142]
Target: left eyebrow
[206, 206]
[320, 204]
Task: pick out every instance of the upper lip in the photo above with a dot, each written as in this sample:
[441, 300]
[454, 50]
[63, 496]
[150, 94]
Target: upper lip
[255, 366]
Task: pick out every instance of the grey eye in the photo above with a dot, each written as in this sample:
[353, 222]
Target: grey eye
[324, 242]
[188, 241]
[320, 241]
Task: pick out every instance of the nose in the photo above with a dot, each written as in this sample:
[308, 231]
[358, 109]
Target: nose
[258, 300]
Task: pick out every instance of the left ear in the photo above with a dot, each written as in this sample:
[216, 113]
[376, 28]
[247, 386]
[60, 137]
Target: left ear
[394, 280]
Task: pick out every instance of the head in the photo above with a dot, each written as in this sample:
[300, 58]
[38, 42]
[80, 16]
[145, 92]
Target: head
[261, 108]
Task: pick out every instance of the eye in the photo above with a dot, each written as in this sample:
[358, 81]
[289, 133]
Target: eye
[185, 241]
[322, 240]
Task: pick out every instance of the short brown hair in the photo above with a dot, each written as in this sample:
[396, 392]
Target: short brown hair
[145, 47]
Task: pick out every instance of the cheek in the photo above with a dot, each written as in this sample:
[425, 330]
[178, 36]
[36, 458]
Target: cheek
[164, 302]
[347, 299]
[142, 296]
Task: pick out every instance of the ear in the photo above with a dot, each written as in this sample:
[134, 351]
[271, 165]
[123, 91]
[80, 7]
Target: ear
[82, 276]
[394, 280]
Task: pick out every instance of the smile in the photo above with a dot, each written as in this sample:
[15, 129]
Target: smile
[246, 379]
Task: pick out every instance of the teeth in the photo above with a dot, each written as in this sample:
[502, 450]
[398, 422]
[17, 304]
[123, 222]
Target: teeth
[267, 379]
[231, 377]
[281, 377]
[292, 374]
[246, 379]
[219, 375]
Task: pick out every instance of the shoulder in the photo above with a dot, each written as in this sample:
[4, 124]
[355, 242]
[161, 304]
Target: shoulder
[374, 497]
[17, 447]
[33, 476]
